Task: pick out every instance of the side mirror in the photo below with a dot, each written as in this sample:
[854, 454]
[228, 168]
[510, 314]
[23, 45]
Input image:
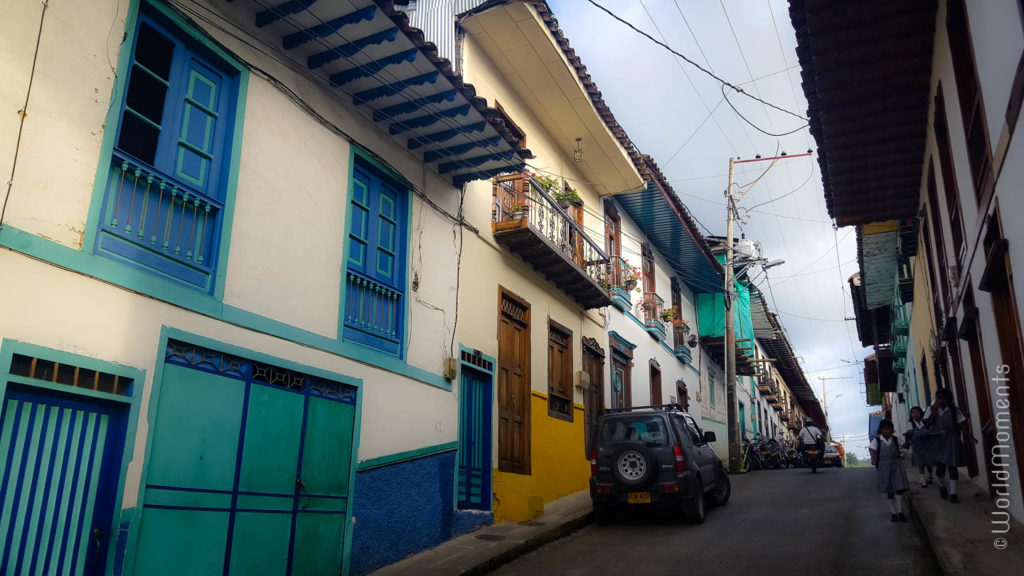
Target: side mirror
[709, 437]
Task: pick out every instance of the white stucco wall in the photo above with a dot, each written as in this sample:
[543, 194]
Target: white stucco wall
[70, 312]
[998, 41]
[285, 257]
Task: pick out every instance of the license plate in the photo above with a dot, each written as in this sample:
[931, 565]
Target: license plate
[639, 498]
[812, 452]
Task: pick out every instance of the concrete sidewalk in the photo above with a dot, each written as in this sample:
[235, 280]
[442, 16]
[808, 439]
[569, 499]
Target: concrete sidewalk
[485, 549]
[961, 535]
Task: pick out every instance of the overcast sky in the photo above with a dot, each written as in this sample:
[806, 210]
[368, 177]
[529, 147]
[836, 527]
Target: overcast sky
[665, 106]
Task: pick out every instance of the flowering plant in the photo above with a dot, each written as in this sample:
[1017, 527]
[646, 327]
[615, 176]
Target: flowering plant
[668, 314]
[631, 274]
[568, 194]
[548, 182]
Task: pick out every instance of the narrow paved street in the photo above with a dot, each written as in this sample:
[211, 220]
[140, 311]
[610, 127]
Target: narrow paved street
[778, 522]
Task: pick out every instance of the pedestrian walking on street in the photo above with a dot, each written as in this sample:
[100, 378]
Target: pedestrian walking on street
[892, 477]
[916, 431]
[944, 448]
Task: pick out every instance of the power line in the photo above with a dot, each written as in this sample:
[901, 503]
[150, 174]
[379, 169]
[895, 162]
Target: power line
[793, 191]
[755, 126]
[694, 64]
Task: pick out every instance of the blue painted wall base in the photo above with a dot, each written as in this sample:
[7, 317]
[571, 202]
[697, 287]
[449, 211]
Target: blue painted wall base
[405, 508]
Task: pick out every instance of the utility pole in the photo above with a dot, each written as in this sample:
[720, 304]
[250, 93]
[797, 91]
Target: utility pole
[730, 338]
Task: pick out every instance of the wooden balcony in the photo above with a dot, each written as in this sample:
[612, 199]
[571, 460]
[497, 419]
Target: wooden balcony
[618, 288]
[530, 224]
[652, 315]
[680, 335]
[715, 346]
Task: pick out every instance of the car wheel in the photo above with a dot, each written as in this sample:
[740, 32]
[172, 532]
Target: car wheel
[634, 465]
[720, 495]
[694, 510]
[603, 513]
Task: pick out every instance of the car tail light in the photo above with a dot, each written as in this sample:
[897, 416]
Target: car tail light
[604, 489]
[670, 488]
[680, 462]
[593, 462]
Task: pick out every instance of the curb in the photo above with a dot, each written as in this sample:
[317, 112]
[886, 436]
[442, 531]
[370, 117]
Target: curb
[925, 536]
[530, 545]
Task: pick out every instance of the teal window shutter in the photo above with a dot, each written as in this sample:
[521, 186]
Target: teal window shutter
[374, 308]
[164, 201]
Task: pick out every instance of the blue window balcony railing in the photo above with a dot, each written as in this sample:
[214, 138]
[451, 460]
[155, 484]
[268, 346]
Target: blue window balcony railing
[159, 224]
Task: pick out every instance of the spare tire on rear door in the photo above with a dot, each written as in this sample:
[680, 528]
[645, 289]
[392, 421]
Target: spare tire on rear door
[634, 465]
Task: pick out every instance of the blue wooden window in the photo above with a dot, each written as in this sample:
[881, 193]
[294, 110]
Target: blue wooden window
[374, 309]
[164, 203]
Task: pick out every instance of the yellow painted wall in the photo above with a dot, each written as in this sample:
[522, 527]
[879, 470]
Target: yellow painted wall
[558, 466]
[921, 322]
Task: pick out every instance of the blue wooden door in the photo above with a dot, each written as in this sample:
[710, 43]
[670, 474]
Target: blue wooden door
[60, 459]
[475, 440]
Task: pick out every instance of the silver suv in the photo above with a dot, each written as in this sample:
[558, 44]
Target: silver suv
[655, 456]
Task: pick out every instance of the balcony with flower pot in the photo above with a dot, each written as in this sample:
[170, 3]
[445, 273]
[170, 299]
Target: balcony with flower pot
[622, 281]
[681, 338]
[653, 321]
[530, 222]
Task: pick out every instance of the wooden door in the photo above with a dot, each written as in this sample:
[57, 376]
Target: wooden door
[593, 395]
[559, 372]
[655, 384]
[970, 331]
[60, 458]
[513, 384]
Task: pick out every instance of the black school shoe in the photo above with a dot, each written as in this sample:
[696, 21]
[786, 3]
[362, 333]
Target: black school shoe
[943, 493]
[953, 498]
[901, 517]
[894, 518]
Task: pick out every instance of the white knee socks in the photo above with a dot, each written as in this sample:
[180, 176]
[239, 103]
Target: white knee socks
[898, 504]
[892, 506]
[922, 479]
[942, 481]
[952, 486]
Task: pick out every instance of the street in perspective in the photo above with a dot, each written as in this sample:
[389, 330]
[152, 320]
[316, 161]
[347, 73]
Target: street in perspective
[514, 287]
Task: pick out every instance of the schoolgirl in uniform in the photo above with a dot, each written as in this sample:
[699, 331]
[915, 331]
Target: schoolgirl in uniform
[892, 477]
[916, 430]
[945, 449]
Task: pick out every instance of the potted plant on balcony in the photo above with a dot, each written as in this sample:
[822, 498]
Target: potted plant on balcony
[630, 276]
[548, 183]
[517, 211]
[567, 198]
[668, 315]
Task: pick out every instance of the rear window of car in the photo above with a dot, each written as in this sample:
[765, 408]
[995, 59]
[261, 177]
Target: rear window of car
[831, 449]
[650, 430]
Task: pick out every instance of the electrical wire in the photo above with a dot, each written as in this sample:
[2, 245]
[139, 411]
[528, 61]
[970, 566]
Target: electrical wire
[23, 113]
[692, 63]
[791, 192]
[755, 126]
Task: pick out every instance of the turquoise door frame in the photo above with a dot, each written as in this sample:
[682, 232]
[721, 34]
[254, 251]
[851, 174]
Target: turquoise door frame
[122, 411]
[475, 465]
[314, 502]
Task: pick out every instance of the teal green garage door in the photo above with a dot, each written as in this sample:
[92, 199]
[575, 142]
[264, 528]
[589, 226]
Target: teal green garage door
[249, 469]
